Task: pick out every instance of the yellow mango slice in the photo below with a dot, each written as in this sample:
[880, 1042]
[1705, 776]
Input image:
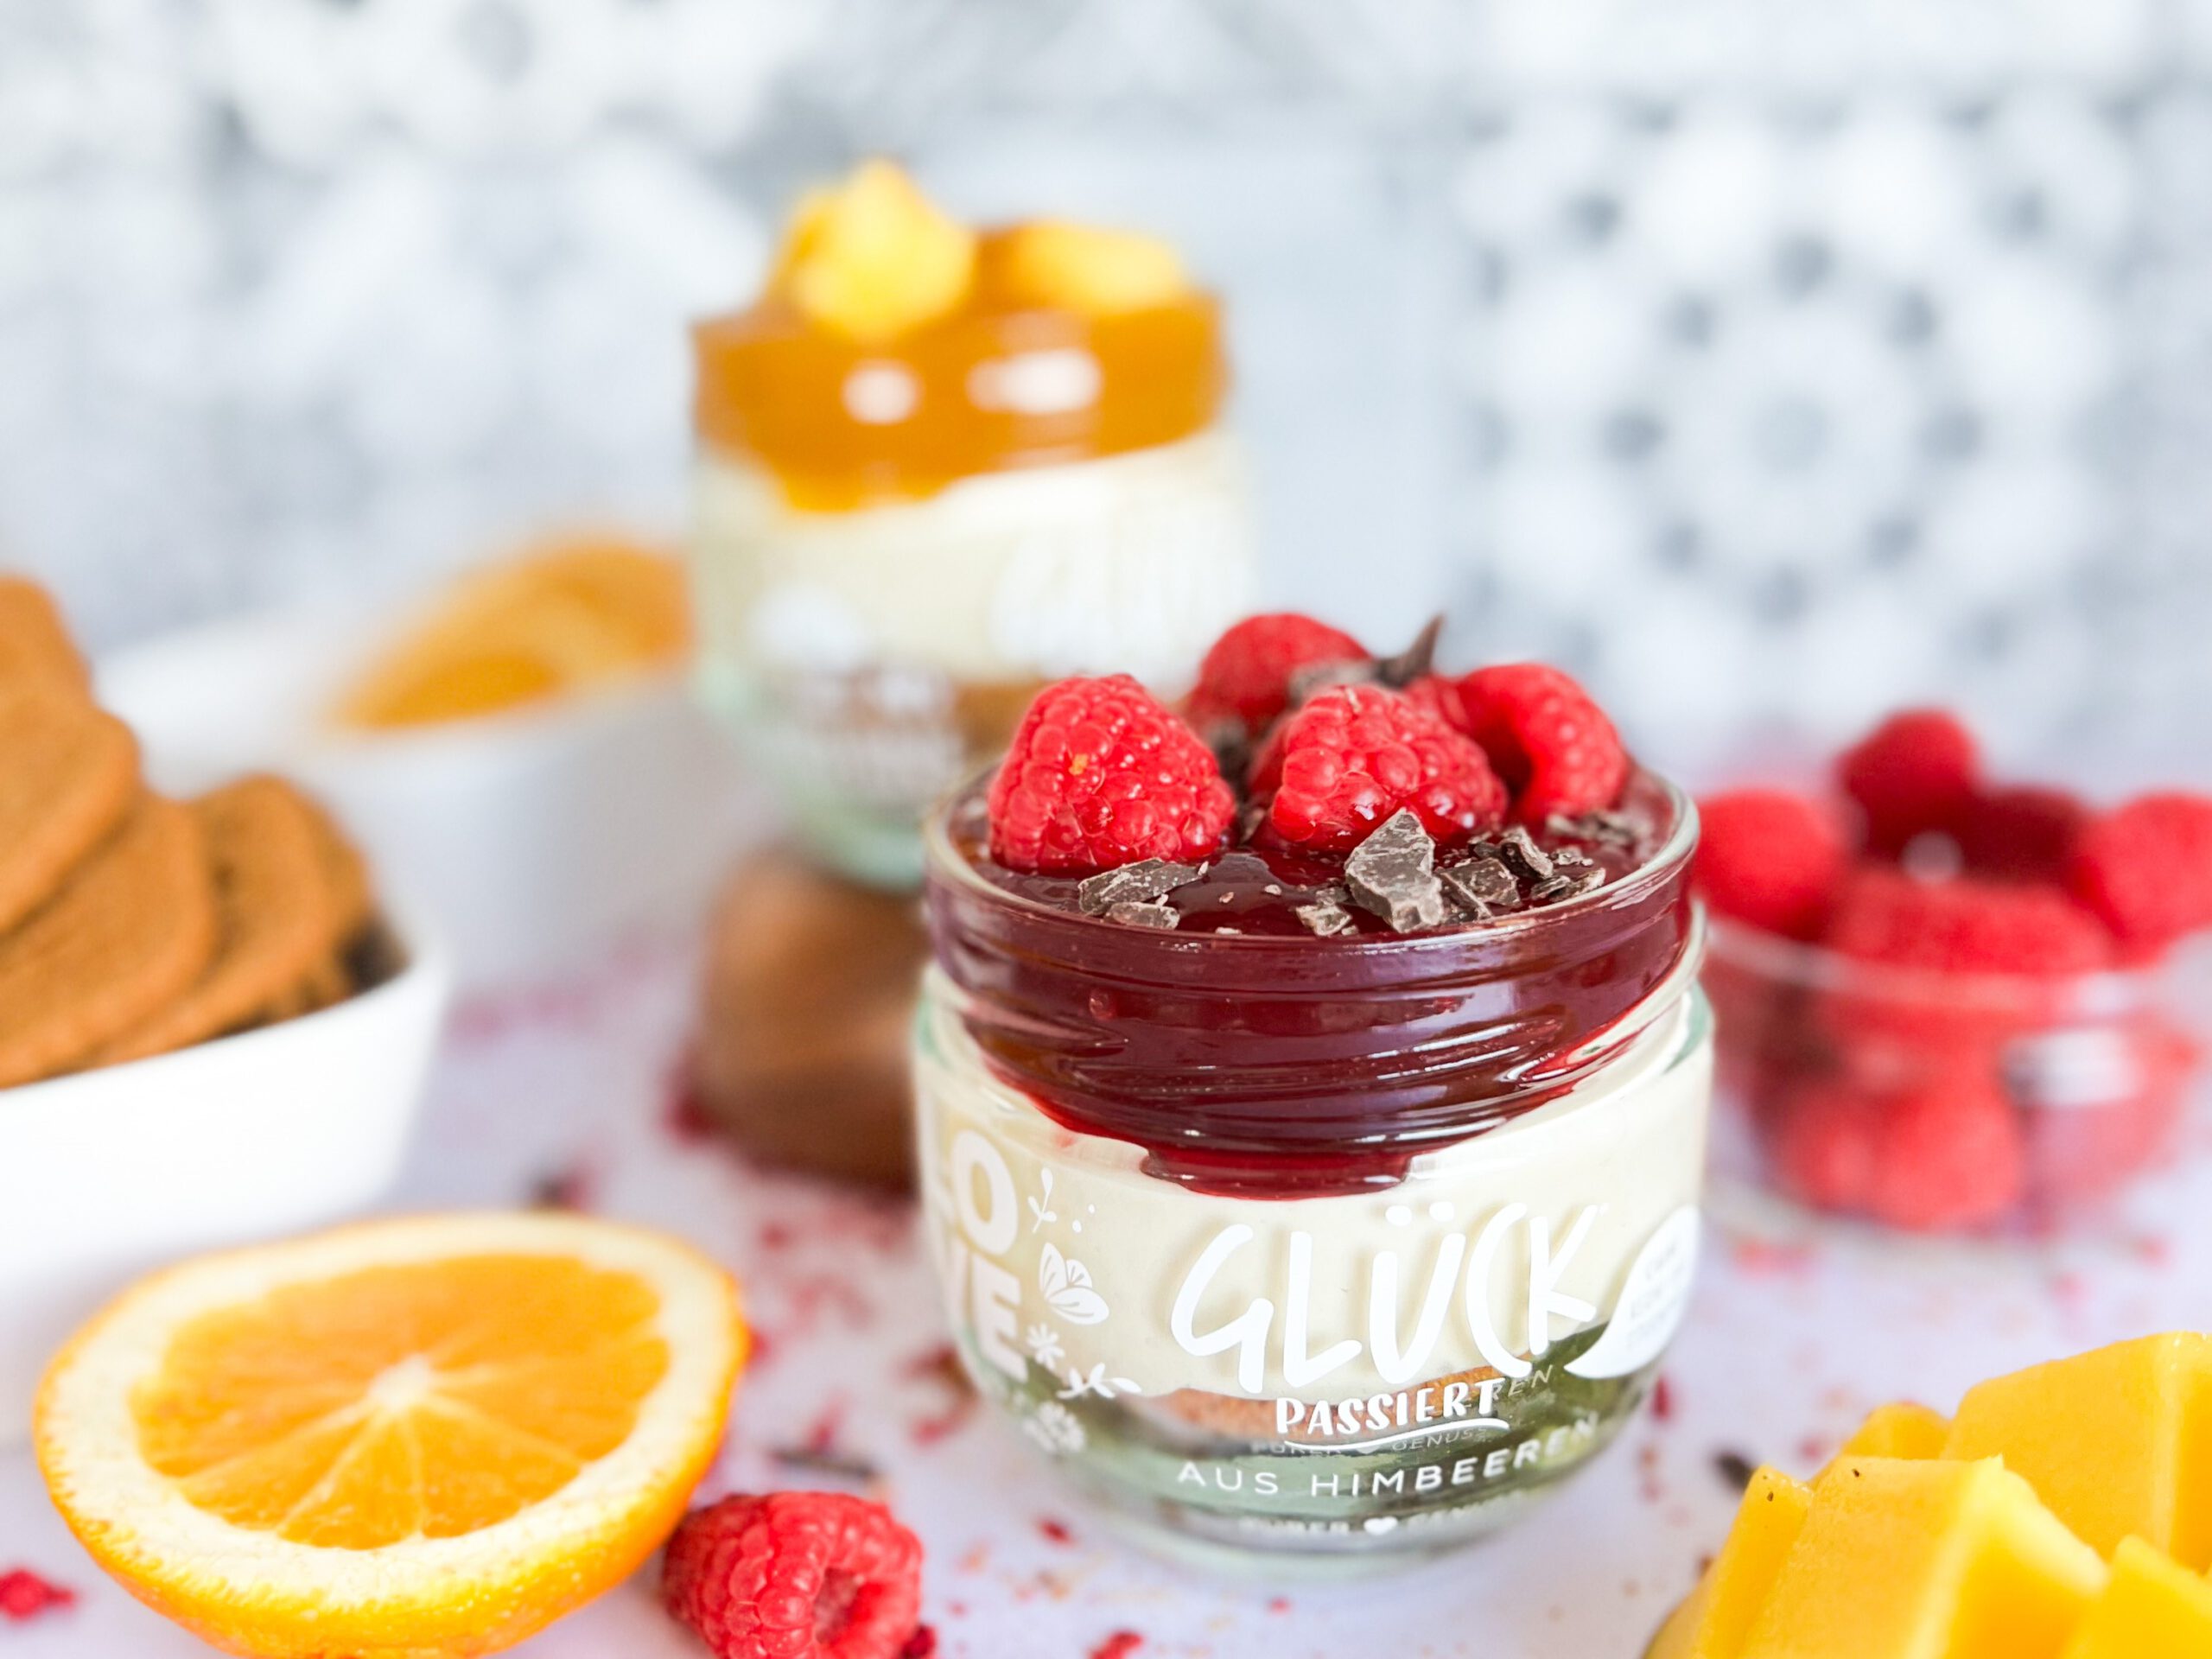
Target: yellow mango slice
[874, 257]
[1900, 1429]
[2118, 1441]
[2152, 1609]
[1089, 269]
[1911, 1559]
[1713, 1622]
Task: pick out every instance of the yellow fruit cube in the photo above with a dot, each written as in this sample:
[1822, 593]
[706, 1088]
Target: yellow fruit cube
[874, 257]
[1909, 1559]
[1899, 1430]
[1089, 269]
[2117, 1442]
[2152, 1609]
[1713, 1622]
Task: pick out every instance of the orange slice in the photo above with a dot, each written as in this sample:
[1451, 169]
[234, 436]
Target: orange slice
[571, 614]
[407, 1439]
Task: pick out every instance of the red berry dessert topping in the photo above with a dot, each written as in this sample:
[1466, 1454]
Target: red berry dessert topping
[1914, 773]
[1772, 858]
[1965, 925]
[795, 1575]
[1355, 754]
[1100, 775]
[1246, 677]
[1545, 735]
[2146, 868]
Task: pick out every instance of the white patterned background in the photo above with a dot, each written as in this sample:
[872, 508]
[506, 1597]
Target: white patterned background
[1770, 361]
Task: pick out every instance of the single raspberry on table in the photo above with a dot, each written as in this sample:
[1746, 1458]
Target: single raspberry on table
[1769, 859]
[1354, 754]
[1246, 676]
[2022, 833]
[2145, 869]
[795, 1575]
[1545, 736]
[1100, 775]
[1950, 1153]
[1913, 773]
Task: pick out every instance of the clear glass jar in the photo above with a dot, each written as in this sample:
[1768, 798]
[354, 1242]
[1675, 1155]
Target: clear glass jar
[897, 543]
[1938, 1101]
[1318, 1251]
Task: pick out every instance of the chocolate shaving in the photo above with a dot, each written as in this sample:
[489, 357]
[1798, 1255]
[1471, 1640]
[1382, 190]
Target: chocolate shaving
[1232, 745]
[1326, 920]
[1410, 664]
[1133, 884]
[1734, 1468]
[824, 1463]
[1566, 886]
[1482, 885]
[1139, 913]
[1604, 826]
[1519, 850]
[1316, 678]
[1393, 873]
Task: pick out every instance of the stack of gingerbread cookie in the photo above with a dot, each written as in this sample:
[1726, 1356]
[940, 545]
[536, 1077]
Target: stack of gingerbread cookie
[130, 924]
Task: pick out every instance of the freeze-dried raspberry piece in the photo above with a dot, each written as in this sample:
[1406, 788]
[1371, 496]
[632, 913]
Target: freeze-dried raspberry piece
[1246, 676]
[795, 1575]
[1353, 755]
[1913, 773]
[1769, 859]
[2145, 869]
[1100, 775]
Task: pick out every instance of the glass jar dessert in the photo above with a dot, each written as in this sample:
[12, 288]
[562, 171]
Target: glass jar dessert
[938, 466]
[1311, 1205]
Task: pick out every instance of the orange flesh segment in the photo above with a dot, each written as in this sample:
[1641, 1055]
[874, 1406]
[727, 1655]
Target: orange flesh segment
[394, 1402]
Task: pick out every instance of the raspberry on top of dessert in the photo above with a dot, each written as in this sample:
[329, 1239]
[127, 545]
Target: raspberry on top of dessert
[1340, 793]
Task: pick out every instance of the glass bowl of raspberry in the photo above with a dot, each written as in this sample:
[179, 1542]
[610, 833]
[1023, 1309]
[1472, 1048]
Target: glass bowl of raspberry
[1949, 1005]
[1311, 1120]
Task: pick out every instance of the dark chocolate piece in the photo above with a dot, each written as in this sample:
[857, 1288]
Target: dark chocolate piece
[1137, 913]
[1734, 1469]
[1414, 661]
[1393, 873]
[1133, 884]
[1482, 885]
[1518, 848]
[1326, 920]
[1604, 826]
[1316, 678]
[1560, 887]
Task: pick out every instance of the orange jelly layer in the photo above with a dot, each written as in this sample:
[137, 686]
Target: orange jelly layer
[776, 390]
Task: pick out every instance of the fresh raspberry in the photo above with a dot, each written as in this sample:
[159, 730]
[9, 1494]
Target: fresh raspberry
[795, 1575]
[1913, 773]
[1545, 735]
[1965, 925]
[1822, 1142]
[2145, 869]
[1353, 755]
[2025, 833]
[1246, 677]
[1951, 1154]
[1769, 859]
[1100, 775]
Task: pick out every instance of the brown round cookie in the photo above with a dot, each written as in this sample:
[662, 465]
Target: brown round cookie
[35, 644]
[278, 909]
[131, 928]
[68, 773]
[808, 1000]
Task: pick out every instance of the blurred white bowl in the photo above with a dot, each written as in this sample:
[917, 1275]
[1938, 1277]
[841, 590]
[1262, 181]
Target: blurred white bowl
[108, 1173]
[534, 838]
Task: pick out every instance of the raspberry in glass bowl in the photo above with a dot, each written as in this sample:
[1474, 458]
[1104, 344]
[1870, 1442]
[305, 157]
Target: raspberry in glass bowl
[1311, 1128]
[1948, 1004]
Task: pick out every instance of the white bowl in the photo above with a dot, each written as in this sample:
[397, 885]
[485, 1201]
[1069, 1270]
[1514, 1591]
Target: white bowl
[106, 1174]
[534, 838]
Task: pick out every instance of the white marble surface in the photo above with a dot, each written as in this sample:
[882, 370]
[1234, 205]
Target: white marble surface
[1788, 1344]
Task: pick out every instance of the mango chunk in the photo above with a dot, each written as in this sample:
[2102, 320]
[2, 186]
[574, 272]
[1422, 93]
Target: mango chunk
[874, 257]
[2118, 1442]
[2152, 1609]
[1911, 1559]
[1713, 1622]
[1091, 269]
[1899, 1430]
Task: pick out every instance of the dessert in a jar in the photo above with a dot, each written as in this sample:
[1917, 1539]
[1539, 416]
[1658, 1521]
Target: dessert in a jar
[938, 466]
[1950, 1003]
[1312, 1144]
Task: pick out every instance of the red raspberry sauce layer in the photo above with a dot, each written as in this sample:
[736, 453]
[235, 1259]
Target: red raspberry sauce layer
[1247, 1056]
